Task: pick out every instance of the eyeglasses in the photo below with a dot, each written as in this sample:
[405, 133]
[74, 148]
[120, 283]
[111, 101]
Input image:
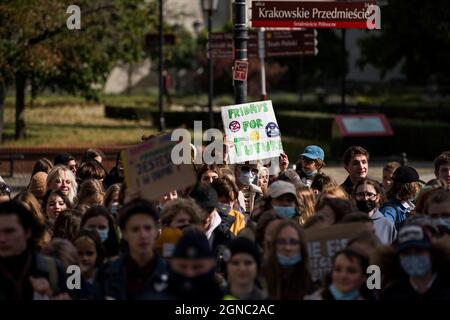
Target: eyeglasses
[365, 194]
[284, 242]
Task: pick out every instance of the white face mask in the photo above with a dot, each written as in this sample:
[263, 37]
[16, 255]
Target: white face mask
[246, 178]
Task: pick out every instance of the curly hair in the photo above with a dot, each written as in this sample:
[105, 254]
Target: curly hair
[176, 206]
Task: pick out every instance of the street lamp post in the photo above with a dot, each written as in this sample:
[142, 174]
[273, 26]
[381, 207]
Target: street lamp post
[209, 6]
[240, 46]
[162, 122]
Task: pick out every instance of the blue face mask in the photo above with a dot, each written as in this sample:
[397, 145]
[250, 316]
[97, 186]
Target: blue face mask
[286, 212]
[289, 261]
[246, 178]
[309, 173]
[416, 265]
[338, 295]
[103, 234]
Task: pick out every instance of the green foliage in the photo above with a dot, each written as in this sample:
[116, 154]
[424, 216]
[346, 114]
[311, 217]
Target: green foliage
[416, 34]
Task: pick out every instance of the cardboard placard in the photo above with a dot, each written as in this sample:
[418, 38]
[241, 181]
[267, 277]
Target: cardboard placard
[150, 172]
[252, 131]
[323, 243]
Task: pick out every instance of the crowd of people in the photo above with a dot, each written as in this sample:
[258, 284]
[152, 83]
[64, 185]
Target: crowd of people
[237, 234]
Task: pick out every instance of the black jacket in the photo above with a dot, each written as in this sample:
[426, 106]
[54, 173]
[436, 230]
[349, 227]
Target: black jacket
[403, 291]
[110, 282]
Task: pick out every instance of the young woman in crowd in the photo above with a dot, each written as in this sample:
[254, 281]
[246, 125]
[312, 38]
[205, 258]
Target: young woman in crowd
[111, 200]
[333, 210]
[207, 174]
[61, 178]
[91, 192]
[97, 218]
[286, 266]
[347, 280]
[307, 203]
[55, 202]
[367, 197]
[67, 225]
[243, 266]
[90, 253]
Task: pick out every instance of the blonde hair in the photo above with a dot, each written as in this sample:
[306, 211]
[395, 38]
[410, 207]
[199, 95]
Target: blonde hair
[91, 192]
[57, 173]
[333, 192]
[307, 201]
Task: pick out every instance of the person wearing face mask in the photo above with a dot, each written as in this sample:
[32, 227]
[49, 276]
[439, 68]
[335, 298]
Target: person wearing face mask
[283, 198]
[138, 271]
[97, 218]
[309, 163]
[347, 278]
[227, 193]
[401, 195]
[424, 268]
[217, 227]
[192, 270]
[286, 268]
[367, 196]
[249, 193]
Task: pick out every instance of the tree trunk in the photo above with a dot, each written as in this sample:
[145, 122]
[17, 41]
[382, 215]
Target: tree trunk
[2, 108]
[20, 106]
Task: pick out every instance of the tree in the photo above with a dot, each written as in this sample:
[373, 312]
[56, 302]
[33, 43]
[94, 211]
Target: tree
[415, 34]
[36, 45]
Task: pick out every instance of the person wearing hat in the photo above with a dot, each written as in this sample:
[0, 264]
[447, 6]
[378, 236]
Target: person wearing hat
[243, 266]
[138, 271]
[192, 269]
[282, 196]
[217, 226]
[424, 267]
[309, 163]
[401, 195]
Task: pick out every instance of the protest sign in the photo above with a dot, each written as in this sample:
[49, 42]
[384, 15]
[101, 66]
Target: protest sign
[323, 243]
[252, 131]
[150, 172]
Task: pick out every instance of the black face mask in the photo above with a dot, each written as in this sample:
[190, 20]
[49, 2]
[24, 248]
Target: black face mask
[366, 205]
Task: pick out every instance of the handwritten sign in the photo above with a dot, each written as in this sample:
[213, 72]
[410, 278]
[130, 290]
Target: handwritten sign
[150, 172]
[323, 243]
[252, 131]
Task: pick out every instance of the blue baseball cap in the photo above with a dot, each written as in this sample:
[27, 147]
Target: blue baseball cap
[313, 152]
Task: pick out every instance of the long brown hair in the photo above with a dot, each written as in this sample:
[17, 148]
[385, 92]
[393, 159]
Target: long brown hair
[287, 285]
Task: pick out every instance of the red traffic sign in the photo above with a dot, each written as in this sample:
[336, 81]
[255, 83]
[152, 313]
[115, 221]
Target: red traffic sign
[311, 14]
[240, 70]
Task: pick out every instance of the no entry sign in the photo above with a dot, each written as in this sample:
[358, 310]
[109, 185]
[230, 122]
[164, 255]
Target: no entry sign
[310, 14]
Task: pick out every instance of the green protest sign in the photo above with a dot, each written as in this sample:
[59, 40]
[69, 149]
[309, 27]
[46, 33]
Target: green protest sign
[252, 131]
